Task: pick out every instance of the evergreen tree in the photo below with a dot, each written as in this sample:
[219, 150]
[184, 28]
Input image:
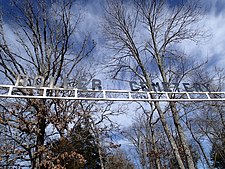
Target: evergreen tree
[85, 144]
[79, 150]
[218, 151]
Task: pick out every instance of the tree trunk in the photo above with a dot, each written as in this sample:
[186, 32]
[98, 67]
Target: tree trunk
[157, 160]
[41, 126]
[175, 113]
[163, 120]
[170, 137]
[181, 134]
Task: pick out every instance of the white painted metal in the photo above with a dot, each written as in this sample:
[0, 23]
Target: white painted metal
[10, 91]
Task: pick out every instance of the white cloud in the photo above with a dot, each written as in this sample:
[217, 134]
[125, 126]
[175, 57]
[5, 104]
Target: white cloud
[211, 48]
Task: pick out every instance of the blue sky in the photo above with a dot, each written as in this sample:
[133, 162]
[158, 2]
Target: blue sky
[211, 49]
[213, 20]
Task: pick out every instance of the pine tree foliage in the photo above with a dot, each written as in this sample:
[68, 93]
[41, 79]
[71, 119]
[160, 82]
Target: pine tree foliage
[218, 151]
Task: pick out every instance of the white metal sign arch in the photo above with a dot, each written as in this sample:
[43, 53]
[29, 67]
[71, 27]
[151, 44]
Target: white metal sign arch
[11, 91]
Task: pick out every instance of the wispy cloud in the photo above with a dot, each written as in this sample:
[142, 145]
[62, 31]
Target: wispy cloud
[212, 48]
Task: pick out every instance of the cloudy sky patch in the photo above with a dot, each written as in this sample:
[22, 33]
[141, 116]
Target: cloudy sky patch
[211, 48]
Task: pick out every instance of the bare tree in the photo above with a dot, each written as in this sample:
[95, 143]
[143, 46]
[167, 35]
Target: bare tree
[205, 120]
[118, 159]
[144, 38]
[142, 134]
[45, 46]
[151, 144]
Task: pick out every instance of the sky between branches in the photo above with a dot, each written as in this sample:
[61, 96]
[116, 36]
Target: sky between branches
[214, 21]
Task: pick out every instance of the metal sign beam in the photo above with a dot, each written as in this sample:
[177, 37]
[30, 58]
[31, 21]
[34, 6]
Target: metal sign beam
[10, 91]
